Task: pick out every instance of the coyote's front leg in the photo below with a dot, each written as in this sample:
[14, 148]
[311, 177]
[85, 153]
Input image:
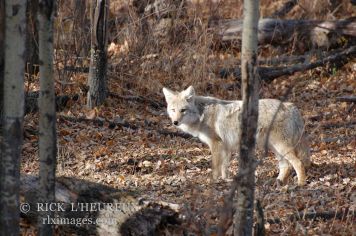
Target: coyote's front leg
[220, 160]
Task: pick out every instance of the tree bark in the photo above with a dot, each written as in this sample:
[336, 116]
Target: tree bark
[31, 38]
[2, 37]
[81, 37]
[97, 73]
[259, 229]
[47, 113]
[15, 22]
[243, 219]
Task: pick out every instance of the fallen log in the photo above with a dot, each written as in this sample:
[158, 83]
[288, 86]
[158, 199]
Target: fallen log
[278, 32]
[337, 58]
[341, 140]
[141, 99]
[283, 59]
[31, 101]
[87, 208]
[327, 215]
[346, 99]
[122, 123]
[334, 125]
[100, 121]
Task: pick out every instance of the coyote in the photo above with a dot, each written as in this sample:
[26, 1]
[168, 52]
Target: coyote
[217, 123]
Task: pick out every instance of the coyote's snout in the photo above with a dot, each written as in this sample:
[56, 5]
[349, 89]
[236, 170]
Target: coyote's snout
[217, 123]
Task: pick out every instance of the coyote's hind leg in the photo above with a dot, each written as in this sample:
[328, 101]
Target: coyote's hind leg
[298, 167]
[287, 152]
[284, 168]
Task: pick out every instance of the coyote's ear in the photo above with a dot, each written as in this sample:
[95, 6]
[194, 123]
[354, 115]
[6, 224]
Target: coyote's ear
[189, 93]
[168, 94]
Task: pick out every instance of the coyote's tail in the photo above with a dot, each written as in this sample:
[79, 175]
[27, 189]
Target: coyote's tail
[302, 148]
[303, 151]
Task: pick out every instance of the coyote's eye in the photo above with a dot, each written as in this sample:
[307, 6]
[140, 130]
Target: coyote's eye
[173, 110]
[183, 110]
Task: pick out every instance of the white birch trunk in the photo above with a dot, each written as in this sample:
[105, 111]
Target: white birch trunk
[243, 219]
[47, 112]
[2, 37]
[15, 23]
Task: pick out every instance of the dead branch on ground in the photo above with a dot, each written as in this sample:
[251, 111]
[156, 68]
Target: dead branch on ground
[285, 9]
[31, 101]
[347, 99]
[327, 215]
[336, 57]
[141, 99]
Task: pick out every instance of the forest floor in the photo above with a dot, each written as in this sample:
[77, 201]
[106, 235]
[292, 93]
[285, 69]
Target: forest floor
[177, 170]
[129, 143]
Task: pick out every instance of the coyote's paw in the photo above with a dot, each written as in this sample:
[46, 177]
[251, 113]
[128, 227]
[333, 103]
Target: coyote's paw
[301, 182]
[279, 183]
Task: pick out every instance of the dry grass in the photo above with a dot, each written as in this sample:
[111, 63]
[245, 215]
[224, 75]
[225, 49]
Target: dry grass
[151, 53]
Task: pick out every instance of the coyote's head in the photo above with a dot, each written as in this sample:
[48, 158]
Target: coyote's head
[181, 107]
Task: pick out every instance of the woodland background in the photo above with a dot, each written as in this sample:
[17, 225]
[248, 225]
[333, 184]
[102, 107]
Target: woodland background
[129, 144]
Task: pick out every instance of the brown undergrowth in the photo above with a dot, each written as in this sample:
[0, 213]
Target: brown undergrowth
[176, 169]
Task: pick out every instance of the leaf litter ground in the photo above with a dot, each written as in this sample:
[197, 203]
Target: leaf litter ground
[177, 170]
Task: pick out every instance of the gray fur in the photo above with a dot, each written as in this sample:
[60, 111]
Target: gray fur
[217, 123]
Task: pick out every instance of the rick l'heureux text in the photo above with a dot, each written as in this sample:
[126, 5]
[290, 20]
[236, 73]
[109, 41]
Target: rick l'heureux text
[79, 206]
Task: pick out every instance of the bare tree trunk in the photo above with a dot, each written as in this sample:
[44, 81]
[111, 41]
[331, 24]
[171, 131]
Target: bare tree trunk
[99, 11]
[47, 112]
[81, 37]
[243, 219]
[2, 34]
[31, 38]
[15, 23]
[2, 37]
